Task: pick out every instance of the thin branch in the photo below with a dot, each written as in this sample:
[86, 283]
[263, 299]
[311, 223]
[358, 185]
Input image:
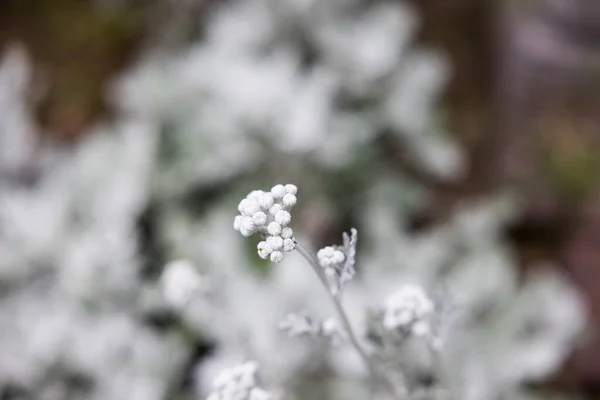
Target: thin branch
[373, 367]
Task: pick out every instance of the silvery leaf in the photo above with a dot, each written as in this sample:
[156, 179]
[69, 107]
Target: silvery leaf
[349, 248]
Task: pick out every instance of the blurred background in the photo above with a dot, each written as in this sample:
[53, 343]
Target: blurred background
[129, 128]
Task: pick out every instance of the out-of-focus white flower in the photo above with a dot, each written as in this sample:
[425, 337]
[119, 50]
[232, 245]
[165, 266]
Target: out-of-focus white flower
[409, 310]
[181, 282]
[331, 260]
[239, 383]
[268, 213]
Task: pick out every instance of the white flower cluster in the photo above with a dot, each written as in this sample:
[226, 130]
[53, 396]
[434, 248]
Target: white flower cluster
[329, 257]
[409, 310]
[180, 282]
[331, 260]
[268, 213]
[239, 383]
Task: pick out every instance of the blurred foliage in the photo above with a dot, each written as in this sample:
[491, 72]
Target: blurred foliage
[571, 158]
[76, 46]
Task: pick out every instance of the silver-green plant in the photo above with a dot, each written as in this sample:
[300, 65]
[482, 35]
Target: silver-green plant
[450, 323]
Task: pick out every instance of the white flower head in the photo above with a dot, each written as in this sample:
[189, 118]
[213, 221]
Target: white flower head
[330, 257]
[181, 282]
[409, 310]
[268, 213]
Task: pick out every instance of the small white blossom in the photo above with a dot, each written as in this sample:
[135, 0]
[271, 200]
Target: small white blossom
[248, 226]
[275, 209]
[408, 309]
[237, 222]
[291, 189]
[274, 229]
[288, 244]
[278, 191]
[275, 242]
[283, 218]
[264, 251]
[242, 206]
[181, 282]
[260, 218]
[287, 233]
[289, 200]
[266, 201]
[255, 194]
[276, 256]
[250, 207]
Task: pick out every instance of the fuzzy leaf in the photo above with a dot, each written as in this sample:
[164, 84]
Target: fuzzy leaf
[349, 249]
[299, 325]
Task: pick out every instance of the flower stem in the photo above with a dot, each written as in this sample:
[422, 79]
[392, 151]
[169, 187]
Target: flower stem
[371, 365]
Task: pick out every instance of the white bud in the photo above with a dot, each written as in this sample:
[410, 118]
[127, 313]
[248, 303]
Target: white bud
[264, 250]
[283, 218]
[278, 191]
[266, 201]
[259, 218]
[276, 256]
[254, 195]
[251, 207]
[237, 222]
[242, 206]
[248, 224]
[291, 189]
[289, 200]
[288, 245]
[275, 209]
[275, 242]
[287, 233]
[274, 229]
